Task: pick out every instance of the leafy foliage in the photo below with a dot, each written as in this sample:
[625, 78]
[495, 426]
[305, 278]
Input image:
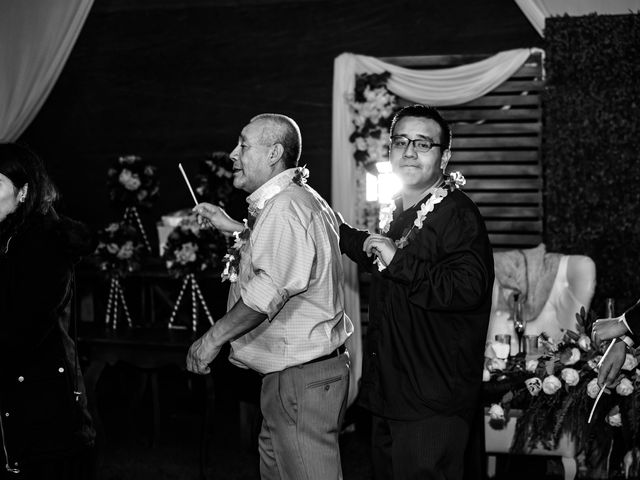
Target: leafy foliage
[591, 146]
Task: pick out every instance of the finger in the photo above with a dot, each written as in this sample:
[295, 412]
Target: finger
[603, 374]
[612, 376]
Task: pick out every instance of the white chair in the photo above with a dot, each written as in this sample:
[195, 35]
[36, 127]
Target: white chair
[573, 288]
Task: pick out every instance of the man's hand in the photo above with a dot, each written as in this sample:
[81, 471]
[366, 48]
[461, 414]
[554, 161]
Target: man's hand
[201, 353]
[607, 329]
[217, 217]
[380, 246]
[611, 365]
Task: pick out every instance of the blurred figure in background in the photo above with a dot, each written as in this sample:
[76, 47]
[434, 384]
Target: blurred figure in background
[46, 429]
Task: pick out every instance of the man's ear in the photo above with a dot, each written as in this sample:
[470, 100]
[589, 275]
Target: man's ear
[446, 155]
[276, 154]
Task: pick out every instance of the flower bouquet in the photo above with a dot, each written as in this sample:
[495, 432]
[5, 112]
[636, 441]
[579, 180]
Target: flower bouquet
[119, 250]
[556, 392]
[132, 182]
[191, 250]
[372, 107]
[118, 253]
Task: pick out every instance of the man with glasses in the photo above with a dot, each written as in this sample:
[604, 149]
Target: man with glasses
[432, 275]
[285, 315]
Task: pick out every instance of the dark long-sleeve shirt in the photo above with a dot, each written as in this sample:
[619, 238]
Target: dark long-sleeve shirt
[429, 313]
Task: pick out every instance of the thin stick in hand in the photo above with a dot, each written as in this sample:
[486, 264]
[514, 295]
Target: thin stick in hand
[606, 352]
[195, 200]
[593, 409]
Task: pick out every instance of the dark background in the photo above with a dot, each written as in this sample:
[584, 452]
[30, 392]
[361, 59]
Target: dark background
[172, 81]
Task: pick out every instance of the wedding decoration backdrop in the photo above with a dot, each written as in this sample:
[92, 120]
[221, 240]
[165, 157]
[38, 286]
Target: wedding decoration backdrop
[438, 87]
[36, 38]
[591, 144]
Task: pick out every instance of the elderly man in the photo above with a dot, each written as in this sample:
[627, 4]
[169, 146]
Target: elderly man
[429, 308]
[285, 315]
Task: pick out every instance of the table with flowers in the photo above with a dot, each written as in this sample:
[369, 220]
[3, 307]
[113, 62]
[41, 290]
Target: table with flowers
[540, 402]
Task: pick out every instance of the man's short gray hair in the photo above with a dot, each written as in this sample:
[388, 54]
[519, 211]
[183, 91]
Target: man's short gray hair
[285, 131]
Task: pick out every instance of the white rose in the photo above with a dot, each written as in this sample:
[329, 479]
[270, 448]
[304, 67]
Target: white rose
[551, 384]
[129, 180]
[575, 356]
[531, 365]
[593, 388]
[624, 388]
[570, 376]
[361, 144]
[630, 362]
[534, 385]
[486, 375]
[615, 420]
[187, 253]
[584, 343]
[496, 412]
[497, 364]
[126, 251]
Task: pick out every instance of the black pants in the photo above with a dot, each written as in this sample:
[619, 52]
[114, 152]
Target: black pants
[432, 448]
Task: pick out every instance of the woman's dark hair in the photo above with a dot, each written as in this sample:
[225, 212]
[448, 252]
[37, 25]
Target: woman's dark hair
[22, 166]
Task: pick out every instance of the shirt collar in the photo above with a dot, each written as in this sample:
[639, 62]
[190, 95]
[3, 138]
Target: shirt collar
[269, 190]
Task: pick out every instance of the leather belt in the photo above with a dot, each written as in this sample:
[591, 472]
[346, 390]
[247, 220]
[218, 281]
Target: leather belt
[336, 353]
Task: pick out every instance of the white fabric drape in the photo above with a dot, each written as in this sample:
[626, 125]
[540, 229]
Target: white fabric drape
[36, 37]
[439, 87]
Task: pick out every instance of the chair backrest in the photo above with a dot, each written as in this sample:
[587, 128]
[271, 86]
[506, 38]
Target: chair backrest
[573, 288]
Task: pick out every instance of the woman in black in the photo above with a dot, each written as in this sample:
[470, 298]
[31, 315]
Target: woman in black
[46, 431]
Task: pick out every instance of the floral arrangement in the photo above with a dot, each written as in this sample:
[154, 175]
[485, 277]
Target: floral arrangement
[132, 182]
[192, 249]
[372, 107]
[119, 249]
[556, 392]
[214, 180]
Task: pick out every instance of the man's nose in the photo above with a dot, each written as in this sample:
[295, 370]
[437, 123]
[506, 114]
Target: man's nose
[410, 151]
[234, 153]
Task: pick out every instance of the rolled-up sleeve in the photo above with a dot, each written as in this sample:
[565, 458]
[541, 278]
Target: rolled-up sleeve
[283, 256]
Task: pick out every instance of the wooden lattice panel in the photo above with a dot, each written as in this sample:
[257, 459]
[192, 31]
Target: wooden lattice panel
[496, 145]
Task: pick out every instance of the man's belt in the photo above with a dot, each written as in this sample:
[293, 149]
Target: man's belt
[336, 353]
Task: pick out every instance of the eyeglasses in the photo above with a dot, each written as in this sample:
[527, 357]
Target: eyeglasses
[421, 145]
